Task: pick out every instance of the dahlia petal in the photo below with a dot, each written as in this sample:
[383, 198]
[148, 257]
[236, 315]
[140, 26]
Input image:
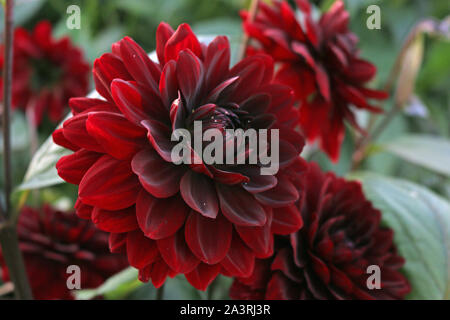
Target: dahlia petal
[139, 65]
[178, 113]
[286, 220]
[107, 68]
[82, 210]
[168, 84]
[320, 269]
[279, 288]
[82, 104]
[160, 178]
[259, 239]
[115, 221]
[257, 104]
[202, 237]
[159, 272]
[59, 139]
[74, 130]
[301, 80]
[109, 184]
[117, 242]
[283, 194]
[223, 90]
[240, 207]
[176, 253]
[303, 51]
[160, 218]
[361, 70]
[73, 167]
[283, 262]
[159, 136]
[141, 251]
[341, 280]
[129, 100]
[202, 276]
[228, 177]
[190, 75]
[323, 82]
[217, 61]
[183, 38]
[240, 260]
[199, 193]
[42, 34]
[374, 94]
[117, 136]
[163, 34]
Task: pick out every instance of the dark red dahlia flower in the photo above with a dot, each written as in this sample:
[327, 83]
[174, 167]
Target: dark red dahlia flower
[197, 219]
[51, 241]
[320, 61]
[329, 257]
[46, 72]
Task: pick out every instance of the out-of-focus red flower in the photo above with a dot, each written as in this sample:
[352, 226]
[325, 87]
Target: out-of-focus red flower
[328, 258]
[198, 219]
[46, 72]
[51, 241]
[320, 61]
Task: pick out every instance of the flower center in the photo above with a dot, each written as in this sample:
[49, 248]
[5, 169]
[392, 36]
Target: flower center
[45, 74]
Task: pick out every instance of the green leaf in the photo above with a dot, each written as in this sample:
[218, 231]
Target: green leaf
[421, 221]
[116, 287]
[428, 151]
[42, 171]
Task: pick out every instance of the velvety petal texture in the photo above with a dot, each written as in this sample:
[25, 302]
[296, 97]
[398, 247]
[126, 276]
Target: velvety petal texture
[330, 255]
[52, 240]
[47, 72]
[320, 61]
[199, 219]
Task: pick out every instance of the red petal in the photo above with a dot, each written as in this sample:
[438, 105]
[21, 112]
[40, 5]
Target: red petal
[182, 39]
[168, 85]
[283, 194]
[202, 237]
[202, 276]
[160, 218]
[240, 260]
[107, 68]
[109, 184]
[199, 193]
[58, 138]
[118, 242]
[286, 220]
[190, 75]
[82, 104]
[159, 135]
[115, 221]
[118, 137]
[73, 167]
[160, 178]
[163, 34]
[141, 251]
[259, 239]
[176, 253]
[240, 207]
[138, 64]
[74, 130]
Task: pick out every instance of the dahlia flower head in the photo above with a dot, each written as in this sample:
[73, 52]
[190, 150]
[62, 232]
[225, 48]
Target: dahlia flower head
[51, 241]
[328, 258]
[194, 219]
[320, 61]
[47, 72]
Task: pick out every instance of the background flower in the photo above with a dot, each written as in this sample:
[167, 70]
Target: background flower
[47, 72]
[329, 256]
[196, 219]
[51, 241]
[320, 61]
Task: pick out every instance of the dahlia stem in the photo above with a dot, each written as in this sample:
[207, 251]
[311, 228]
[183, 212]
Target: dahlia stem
[245, 38]
[427, 25]
[160, 293]
[8, 233]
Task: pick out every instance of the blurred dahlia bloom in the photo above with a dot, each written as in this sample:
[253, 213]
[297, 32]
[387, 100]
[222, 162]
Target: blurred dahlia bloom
[320, 61]
[46, 73]
[52, 240]
[196, 219]
[330, 255]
